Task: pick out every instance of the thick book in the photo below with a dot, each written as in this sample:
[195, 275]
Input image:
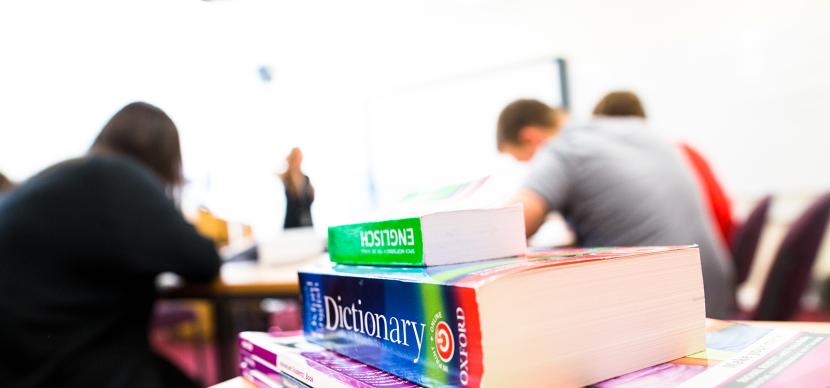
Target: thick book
[566, 317]
[438, 238]
[741, 355]
[310, 364]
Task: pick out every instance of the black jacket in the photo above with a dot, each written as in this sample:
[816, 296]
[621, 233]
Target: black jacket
[81, 244]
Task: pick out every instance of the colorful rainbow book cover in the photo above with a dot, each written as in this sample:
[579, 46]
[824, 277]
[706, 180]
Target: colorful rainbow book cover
[419, 323]
[739, 355]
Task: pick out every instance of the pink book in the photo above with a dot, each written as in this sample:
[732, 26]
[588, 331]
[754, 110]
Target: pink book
[265, 355]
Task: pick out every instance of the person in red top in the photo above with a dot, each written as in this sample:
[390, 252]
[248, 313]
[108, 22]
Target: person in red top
[719, 205]
[625, 103]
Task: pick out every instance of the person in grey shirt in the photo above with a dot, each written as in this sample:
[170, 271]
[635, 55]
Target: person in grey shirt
[617, 183]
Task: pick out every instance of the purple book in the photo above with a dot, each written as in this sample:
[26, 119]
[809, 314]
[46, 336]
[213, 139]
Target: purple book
[265, 376]
[310, 364]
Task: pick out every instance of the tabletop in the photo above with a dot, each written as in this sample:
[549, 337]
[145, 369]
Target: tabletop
[238, 281]
[241, 279]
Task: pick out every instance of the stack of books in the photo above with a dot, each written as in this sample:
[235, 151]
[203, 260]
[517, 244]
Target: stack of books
[452, 298]
[735, 355]
[287, 359]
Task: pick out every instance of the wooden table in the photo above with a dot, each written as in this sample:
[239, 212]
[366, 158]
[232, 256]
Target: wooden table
[815, 327]
[238, 282]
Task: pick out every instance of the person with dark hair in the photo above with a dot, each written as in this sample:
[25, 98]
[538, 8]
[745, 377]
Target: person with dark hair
[299, 193]
[525, 125]
[617, 184]
[146, 134]
[81, 244]
[625, 104]
[621, 103]
[5, 183]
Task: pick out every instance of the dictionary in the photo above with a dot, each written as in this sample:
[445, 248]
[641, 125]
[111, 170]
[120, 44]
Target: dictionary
[567, 317]
[444, 237]
[308, 363]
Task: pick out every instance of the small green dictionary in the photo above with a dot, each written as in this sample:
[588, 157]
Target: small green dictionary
[434, 239]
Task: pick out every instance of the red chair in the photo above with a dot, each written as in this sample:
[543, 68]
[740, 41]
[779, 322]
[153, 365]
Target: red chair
[746, 238]
[790, 272]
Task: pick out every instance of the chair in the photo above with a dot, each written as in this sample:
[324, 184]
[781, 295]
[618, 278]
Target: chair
[167, 315]
[790, 271]
[746, 238]
[825, 294]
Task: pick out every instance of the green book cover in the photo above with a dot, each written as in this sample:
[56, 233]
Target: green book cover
[391, 242]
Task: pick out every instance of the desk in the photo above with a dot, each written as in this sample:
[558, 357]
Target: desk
[238, 281]
[815, 327]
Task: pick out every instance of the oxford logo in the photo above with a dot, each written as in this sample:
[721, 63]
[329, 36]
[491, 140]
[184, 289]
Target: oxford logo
[444, 344]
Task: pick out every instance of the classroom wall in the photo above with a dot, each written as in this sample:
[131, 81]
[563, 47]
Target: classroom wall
[744, 81]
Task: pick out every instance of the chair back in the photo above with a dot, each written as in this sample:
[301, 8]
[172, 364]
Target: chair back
[746, 238]
[790, 271]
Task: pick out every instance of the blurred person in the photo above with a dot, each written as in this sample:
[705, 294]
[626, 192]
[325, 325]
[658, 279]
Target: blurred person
[538, 122]
[621, 103]
[5, 184]
[81, 244]
[299, 193]
[617, 184]
[627, 104]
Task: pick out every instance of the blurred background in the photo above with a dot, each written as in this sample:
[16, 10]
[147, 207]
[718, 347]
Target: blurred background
[245, 81]
[382, 95]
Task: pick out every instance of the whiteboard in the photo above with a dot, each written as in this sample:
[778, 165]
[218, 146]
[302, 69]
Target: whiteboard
[444, 131]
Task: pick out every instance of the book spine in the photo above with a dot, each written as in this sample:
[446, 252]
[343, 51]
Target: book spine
[256, 378]
[315, 368]
[422, 332]
[393, 242]
[251, 349]
[265, 375]
[258, 373]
